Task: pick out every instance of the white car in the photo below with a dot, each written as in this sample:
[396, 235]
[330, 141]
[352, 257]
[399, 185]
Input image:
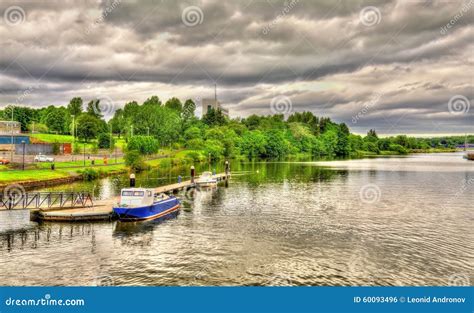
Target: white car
[43, 158]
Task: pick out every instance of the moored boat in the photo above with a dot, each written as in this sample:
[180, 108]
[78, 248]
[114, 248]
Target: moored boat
[138, 204]
[206, 180]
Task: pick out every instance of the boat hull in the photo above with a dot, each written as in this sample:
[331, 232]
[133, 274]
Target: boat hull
[156, 210]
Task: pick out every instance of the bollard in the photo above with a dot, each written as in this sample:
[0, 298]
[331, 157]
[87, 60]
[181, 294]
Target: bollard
[180, 179]
[132, 180]
[192, 174]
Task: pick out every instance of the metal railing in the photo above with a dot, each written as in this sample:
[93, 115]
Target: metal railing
[38, 200]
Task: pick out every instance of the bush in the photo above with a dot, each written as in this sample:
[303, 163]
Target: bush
[77, 148]
[143, 144]
[90, 174]
[104, 141]
[195, 144]
[56, 148]
[94, 148]
[134, 160]
[398, 148]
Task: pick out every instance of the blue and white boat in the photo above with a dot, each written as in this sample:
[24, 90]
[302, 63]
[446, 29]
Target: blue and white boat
[138, 204]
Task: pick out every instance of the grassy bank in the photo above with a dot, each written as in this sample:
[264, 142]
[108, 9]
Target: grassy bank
[41, 171]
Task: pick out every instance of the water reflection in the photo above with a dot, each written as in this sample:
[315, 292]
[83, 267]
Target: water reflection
[277, 223]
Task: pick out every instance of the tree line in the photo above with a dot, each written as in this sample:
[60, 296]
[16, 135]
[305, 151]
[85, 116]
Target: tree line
[152, 125]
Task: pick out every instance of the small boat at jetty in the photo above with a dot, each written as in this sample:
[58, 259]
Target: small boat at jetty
[138, 204]
[206, 180]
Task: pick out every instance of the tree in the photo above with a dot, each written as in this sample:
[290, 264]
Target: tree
[93, 108]
[153, 101]
[372, 135]
[87, 127]
[174, 104]
[192, 133]
[55, 121]
[189, 108]
[134, 160]
[75, 106]
[342, 147]
[214, 117]
[143, 144]
[104, 141]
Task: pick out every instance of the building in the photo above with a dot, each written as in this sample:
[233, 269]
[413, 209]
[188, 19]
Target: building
[6, 127]
[11, 130]
[215, 104]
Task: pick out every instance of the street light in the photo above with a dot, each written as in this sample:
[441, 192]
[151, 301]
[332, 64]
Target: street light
[23, 165]
[11, 148]
[84, 154]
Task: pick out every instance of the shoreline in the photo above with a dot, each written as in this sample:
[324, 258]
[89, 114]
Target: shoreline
[114, 169]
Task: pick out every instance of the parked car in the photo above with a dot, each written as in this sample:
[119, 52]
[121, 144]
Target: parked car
[4, 161]
[43, 158]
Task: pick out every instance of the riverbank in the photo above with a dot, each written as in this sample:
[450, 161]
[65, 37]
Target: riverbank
[41, 174]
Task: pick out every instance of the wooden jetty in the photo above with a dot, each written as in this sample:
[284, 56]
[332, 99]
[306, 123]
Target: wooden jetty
[102, 210]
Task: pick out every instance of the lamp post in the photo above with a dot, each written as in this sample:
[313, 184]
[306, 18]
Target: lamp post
[11, 148]
[23, 164]
[73, 128]
[84, 154]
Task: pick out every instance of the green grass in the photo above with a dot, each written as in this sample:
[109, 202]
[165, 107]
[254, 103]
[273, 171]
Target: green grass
[32, 175]
[50, 138]
[79, 162]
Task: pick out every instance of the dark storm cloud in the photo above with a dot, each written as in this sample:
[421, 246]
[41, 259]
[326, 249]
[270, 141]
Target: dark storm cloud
[322, 55]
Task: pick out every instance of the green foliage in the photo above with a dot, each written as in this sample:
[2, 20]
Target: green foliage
[104, 141]
[214, 117]
[143, 144]
[398, 148]
[134, 160]
[214, 148]
[192, 133]
[75, 106]
[89, 174]
[93, 108]
[174, 104]
[87, 127]
[56, 148]
[37, 128]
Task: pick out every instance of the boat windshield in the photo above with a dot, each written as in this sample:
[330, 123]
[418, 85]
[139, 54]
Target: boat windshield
[130, 193]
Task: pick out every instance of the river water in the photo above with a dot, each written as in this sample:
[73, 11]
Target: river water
[378, 221]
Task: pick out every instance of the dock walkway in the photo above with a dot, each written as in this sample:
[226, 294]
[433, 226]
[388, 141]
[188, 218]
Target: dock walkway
[101, 210]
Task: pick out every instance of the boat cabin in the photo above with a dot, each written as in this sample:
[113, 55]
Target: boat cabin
[133, 197]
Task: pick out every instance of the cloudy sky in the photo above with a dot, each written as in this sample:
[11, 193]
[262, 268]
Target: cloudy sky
[396, 66]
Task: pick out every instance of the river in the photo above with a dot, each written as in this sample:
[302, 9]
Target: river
[377, 221]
